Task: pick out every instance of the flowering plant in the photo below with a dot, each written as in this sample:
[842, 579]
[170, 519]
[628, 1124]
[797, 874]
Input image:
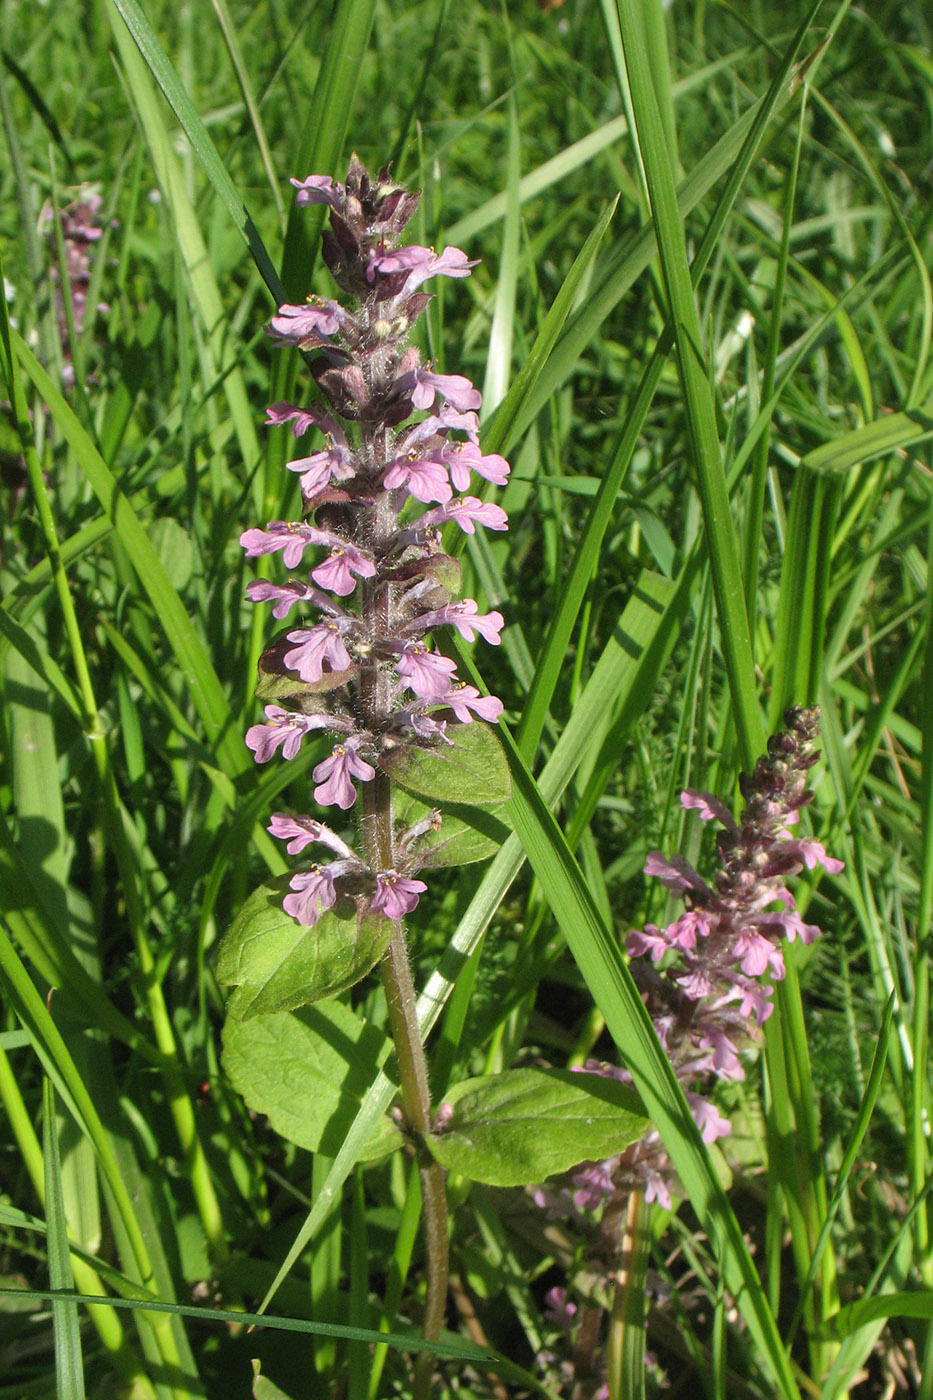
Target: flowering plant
[701, 980]
[366, 669]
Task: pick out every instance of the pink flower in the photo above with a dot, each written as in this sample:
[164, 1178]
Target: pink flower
[464, 422]
[676, 873]
[424, 479]
[292, 537]
[333, 776]
[462, 457]
[283, 728]
[656, 1188]
[696, 984]
[313, 893]
[304, 325]
[318, 189]
[420, 263]
[465, 617]
[315, 646]
[754, 952]
[793, 926]
[464, 698]
[648, 940]
[708, 1119]
[335, 461]
[709, 807]
[723, 1058]
[753, 998]
[814, 853]
[557, 1308]
[426, 672]
[455, 389]
[337, 570]
[353, 665]
[467, 512]
[298, 833]
[301, 831]
[395, 895]
[301, 419]
[682, 933]
[261, 591]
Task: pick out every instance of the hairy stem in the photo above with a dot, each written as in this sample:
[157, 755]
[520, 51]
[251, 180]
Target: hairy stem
[413, 1078]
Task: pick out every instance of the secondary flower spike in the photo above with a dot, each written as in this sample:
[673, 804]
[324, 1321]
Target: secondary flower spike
[701, 977]
[357, 657]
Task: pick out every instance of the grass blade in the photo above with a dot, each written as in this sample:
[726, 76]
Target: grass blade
[157, 61]
[69, 1364]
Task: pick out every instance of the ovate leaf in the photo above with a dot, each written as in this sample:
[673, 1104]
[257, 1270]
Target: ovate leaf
[277, 964]
[466, 834]
[308, 1071]
[472, 769]
[519, 1127]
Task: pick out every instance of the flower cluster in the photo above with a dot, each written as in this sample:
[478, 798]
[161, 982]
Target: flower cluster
[700, 977]
[80, 231]
[397, 436]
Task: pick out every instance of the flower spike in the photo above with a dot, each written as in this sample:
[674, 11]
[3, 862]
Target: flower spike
[359, 661]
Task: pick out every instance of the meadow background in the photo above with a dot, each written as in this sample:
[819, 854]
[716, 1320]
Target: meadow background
[696, 541]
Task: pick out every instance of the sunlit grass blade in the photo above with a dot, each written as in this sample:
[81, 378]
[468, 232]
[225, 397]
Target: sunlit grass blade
[207, 694]
[499, 357]
[241, 68]
[551, 658]
[500, 432]
[801, 613]
[860, 1127]
[890, 433]
[69, 1363]
[579, 153]
[40, 663]
[48, 949]
[145, 37]
[220, 346]
[599, 959]
[319, 147]
[87, 1270]
[629, 668]
[722, 546]
[58, 1064]
[448, 1347]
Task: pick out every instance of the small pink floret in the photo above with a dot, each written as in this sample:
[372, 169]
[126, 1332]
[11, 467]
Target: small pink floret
[395, 894]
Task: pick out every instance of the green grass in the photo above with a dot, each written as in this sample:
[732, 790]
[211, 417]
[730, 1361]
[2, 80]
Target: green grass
[703, 321]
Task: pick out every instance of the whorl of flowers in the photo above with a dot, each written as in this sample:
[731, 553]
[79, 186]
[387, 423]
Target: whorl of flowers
[362, 665]
[700, 977]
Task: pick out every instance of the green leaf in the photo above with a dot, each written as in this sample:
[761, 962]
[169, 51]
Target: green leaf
[465, 835]
[263, 1388]
[308, 1072]
[277, 964]
[472, 769]
[173, 545]
[892, 433]
[849, 1319]
[524, 1125]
